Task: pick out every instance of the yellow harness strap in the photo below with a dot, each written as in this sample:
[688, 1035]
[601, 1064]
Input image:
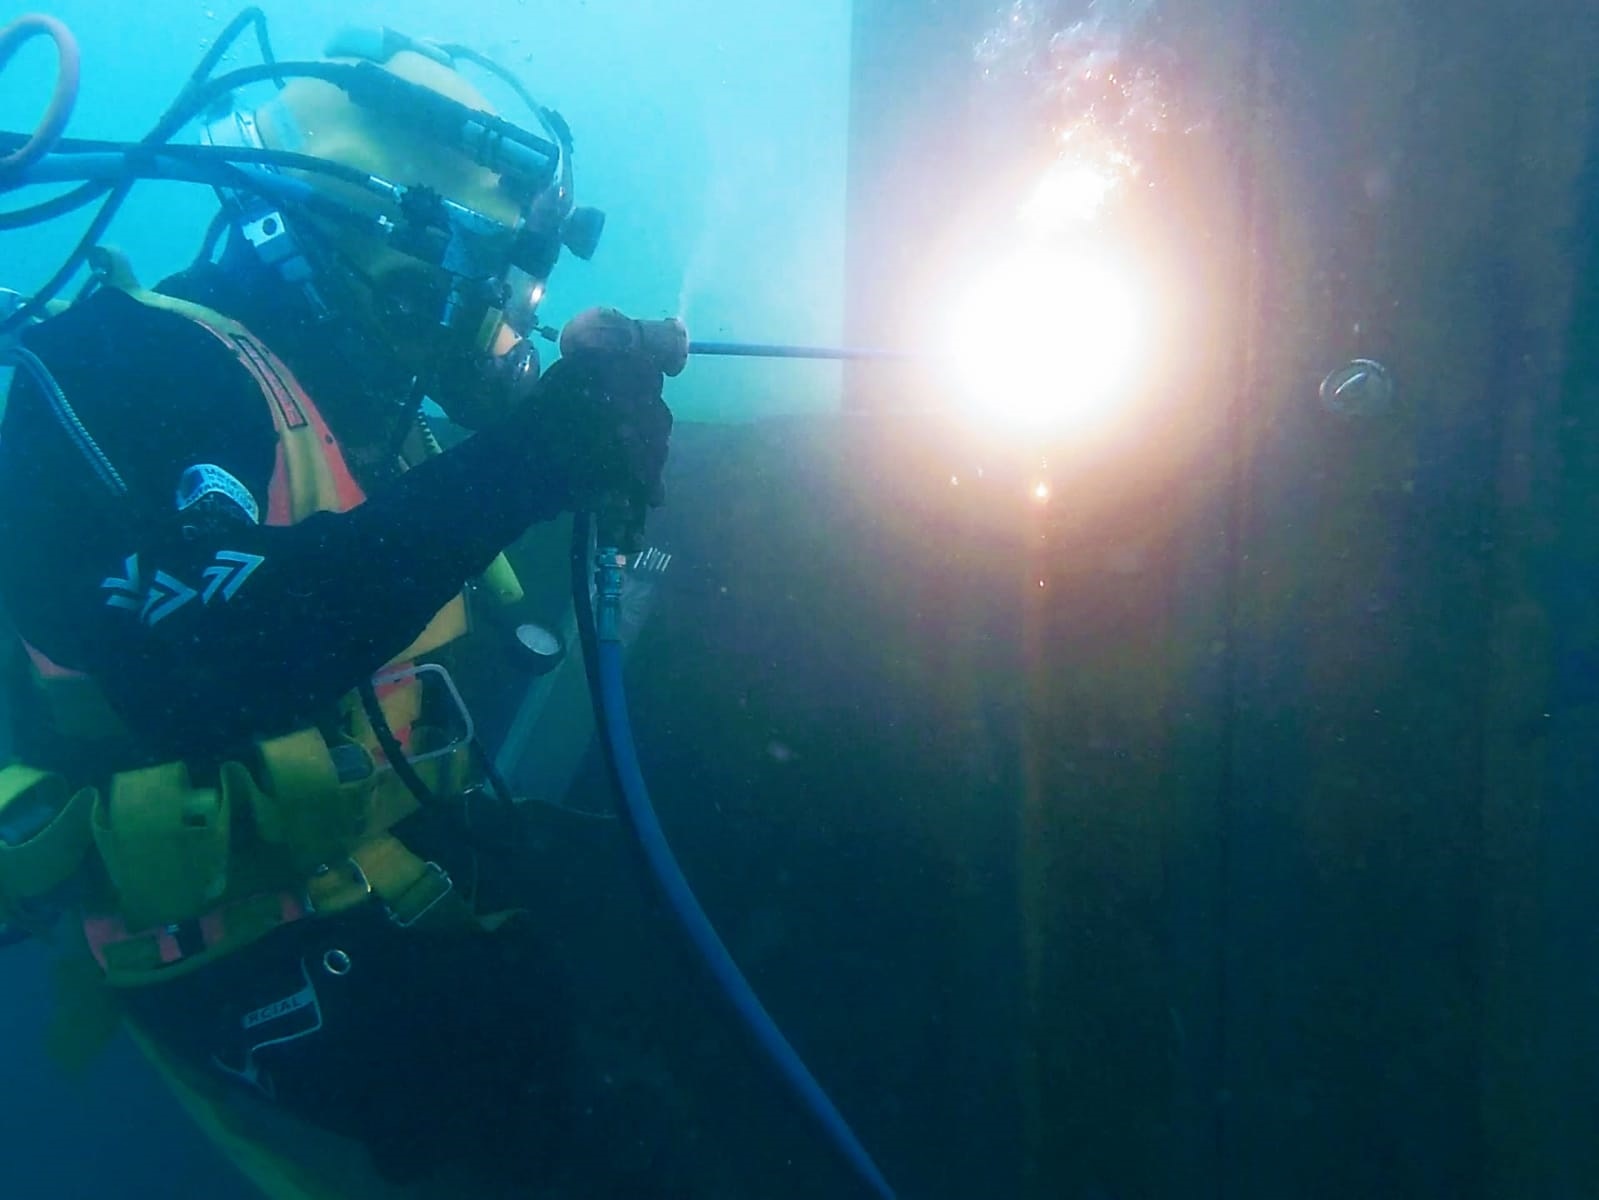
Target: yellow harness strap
[155, 954]
[164, 843]
[78, 708]
[45, 860]
[412, 889]
[320, 845]
[448, 624]
[303, 805]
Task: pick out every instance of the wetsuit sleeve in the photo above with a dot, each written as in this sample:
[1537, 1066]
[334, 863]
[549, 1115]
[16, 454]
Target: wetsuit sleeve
[206, 632]
[239, 629]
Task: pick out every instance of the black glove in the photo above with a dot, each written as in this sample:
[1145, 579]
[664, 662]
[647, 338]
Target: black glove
[598, 428]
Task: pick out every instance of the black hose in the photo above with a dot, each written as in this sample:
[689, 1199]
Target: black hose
[198, 92]
[497, 782]
[56, 206]
[231, 155]
[35, 307]
[392, 750]
[581, 564]
[224, 43]
[201, 94]
[222, 157]
[67, 418]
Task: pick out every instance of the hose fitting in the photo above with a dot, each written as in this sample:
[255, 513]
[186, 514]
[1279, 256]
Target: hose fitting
[610, 565]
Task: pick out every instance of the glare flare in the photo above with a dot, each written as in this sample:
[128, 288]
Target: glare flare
[1051, 339]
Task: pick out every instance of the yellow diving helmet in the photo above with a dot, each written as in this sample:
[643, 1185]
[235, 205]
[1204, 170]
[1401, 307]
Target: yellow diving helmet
[438, 231]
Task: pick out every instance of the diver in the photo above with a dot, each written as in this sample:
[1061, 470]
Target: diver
[237, 565]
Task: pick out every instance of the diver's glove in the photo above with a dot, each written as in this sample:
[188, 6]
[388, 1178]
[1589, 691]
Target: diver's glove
[665, 343]
[598, 429]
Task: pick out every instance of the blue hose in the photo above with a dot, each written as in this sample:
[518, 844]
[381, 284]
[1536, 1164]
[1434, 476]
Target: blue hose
[603, 650]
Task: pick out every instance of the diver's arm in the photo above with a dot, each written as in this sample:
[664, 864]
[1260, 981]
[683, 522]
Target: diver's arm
[254, 628]
[203, 633]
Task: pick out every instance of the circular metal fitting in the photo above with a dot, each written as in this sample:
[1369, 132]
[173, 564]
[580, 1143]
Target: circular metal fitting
[336, 962]
[1361, 388]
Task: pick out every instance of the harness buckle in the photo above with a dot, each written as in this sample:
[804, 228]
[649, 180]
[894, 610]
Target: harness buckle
[437, 877]
[465, 732]
[321, 872]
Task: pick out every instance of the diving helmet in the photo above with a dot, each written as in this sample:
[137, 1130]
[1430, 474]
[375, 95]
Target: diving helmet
[439, 232]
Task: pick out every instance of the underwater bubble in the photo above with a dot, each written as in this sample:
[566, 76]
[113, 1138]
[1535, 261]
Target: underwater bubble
[1361, 388]
[1097, 85]
[1009, 44]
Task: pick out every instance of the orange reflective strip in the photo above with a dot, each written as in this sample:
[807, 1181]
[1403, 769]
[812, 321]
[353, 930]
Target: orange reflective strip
[254, 356]
[280, 498]
[213, 926]
[47, 668]
[347, 491]
[293, 414]
[101, 932]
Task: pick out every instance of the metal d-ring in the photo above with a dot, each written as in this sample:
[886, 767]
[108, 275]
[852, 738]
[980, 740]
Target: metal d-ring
[336, 962]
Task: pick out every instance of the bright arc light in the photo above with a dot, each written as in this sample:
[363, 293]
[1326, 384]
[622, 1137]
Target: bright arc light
[1050, 339]
[1070, 193]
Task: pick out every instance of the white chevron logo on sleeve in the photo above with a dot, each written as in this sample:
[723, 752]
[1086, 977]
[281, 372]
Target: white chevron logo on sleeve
[232, 568]
[166, 596]
[125, 592]
[167, 593]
